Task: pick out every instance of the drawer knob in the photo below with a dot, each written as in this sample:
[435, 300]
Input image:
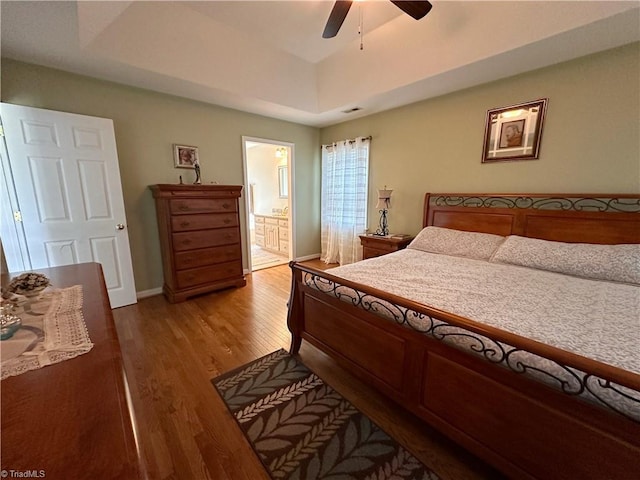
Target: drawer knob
[184, 224]
[227, 221]
[186, 241]
[225, 206]
[183, 207]
[186, 260]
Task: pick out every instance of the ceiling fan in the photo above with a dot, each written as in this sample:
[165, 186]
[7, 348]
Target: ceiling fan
[416, 9]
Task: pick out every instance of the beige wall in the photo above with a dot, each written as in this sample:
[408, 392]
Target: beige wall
[262, 166]
[590, 142]
[146, 125]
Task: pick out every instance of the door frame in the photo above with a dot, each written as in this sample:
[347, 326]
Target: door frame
[12, 237]
[291, 197]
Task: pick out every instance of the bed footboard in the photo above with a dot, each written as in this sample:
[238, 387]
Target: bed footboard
[521, 426]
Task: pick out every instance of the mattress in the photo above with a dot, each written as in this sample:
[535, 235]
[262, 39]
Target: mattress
[592, 318]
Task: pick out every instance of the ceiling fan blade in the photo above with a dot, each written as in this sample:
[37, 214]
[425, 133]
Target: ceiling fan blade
[416, 9]
[336, 17]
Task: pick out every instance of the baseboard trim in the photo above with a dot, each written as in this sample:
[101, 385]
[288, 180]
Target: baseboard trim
[149, 293]
[308, 257]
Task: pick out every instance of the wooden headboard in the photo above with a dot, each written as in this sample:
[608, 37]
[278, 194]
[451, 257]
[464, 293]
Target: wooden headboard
[585, 218]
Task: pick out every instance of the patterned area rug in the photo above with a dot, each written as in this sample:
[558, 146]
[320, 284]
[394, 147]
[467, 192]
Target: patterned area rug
[303, 429]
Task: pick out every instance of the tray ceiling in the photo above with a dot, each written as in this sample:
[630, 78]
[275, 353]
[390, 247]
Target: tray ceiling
[269, 58]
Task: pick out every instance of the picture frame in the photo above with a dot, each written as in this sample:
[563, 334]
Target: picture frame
[514, 132]
[185, 156]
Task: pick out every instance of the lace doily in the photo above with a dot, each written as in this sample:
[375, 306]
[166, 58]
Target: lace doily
[53, 330]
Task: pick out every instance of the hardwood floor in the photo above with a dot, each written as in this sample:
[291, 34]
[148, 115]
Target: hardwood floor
[172, 351]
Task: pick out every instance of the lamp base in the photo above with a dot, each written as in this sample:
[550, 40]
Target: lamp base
[383, 231]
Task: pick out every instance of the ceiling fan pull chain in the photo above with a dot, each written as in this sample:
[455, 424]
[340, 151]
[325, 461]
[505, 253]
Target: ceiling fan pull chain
[360, 25]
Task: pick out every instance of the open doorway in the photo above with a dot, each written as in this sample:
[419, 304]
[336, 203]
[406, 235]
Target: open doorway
[268, 165]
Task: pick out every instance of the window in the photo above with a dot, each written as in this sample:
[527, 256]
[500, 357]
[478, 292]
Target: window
[345, 181]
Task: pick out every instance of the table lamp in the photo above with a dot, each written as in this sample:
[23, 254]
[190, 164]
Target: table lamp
[384, 204]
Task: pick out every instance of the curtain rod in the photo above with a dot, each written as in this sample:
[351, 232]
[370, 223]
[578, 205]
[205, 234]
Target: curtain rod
[350, 141]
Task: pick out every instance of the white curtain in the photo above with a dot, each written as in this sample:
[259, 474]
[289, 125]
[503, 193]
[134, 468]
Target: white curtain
[345, 180]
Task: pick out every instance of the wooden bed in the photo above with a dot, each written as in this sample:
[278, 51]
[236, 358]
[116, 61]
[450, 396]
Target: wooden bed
[521, 426]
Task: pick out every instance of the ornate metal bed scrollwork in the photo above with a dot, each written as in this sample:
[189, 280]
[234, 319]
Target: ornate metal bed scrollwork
[569, 380]
[580, 203]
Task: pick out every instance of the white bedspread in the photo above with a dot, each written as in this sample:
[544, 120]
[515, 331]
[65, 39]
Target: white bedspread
[595, 319]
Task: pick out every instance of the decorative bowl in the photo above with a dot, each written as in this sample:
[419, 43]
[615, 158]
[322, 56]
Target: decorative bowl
[33, 292]
[28, 284]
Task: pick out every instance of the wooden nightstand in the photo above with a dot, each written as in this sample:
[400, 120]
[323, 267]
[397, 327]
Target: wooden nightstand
[374, 246]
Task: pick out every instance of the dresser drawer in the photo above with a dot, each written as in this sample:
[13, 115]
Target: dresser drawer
[212, 273]
[259, 219]
[271, 221]
[284, 246]
[260, 240]
[205, 238]
[283, 223]
[201, 205]
[260, 229]
[369, 252]
[183, 223]
[283, 233]
[206, 256]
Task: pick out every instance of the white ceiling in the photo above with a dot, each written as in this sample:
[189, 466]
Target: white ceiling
[268, 57]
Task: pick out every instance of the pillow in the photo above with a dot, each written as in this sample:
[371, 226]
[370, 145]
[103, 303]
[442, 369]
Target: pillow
[457, 242]
[617, 263]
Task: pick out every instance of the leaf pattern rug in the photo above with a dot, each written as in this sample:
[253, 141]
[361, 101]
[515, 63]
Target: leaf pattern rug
[303, 429]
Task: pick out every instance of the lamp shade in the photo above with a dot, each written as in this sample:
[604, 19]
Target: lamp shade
[384, 199]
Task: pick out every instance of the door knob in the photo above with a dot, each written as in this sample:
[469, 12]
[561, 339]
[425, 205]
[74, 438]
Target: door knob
[119, 226]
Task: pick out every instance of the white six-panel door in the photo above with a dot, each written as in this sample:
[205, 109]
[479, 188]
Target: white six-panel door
[67, 182]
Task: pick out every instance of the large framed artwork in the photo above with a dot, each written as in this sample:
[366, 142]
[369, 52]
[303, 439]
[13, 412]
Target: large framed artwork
[514, 132]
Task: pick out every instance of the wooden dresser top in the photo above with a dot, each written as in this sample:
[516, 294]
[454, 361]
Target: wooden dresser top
[162, 190]
[72, 419]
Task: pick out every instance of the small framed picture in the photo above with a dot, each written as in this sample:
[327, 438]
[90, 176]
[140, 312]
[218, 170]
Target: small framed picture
[514, 133]
[185, 156]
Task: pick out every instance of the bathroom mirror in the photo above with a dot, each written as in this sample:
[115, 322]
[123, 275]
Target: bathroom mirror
[283, 185]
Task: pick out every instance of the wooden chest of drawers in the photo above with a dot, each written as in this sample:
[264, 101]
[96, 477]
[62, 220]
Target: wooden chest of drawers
[199, 229]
